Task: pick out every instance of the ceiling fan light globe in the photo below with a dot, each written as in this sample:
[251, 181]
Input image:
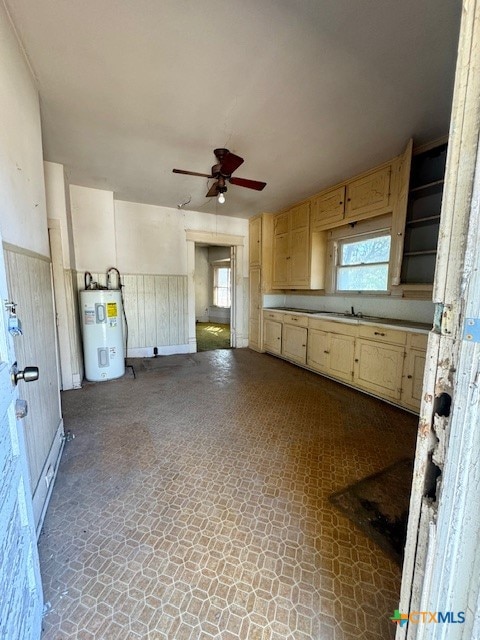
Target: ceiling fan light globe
[221, 198]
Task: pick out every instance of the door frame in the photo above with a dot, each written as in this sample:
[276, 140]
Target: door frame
[238, 324]
[441, 570]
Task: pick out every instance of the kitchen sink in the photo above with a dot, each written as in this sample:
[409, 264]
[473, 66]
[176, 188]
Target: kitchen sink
[310, 311]
[352, 317]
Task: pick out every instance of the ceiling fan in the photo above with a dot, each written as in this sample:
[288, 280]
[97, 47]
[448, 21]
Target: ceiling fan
[222, 171]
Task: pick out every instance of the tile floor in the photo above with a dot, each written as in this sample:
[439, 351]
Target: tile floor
[193, 504]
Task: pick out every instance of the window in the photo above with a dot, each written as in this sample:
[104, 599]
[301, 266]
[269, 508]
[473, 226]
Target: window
[221, 286]
[362, 263]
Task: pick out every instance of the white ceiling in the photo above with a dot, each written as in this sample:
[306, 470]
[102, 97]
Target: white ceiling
[308, 91]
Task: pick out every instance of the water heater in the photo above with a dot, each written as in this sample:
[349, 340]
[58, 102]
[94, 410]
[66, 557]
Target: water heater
[102, 331]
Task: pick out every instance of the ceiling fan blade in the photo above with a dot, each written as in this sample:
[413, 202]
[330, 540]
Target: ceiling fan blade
[250, 184]
[192, 173]
[213, 191]
[230, 162]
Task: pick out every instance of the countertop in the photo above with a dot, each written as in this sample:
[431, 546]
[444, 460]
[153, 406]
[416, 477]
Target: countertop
[334, 316]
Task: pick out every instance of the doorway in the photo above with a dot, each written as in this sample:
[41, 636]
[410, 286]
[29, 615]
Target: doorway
[213, 296]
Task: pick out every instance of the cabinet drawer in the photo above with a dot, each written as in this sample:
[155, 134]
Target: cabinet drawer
[273, 315]
[299, 321]
[320, 324]
[418, 340]
[343, 328]
[382, 334]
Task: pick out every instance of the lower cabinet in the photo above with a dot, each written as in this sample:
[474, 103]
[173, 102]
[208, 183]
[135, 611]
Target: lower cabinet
[318, 350]
[413, 371]
[294, 344]
[386, 362]
[272, 336]
[331, 353]
[378, 368]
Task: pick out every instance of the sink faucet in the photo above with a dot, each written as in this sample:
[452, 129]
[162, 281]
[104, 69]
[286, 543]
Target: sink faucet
[352, 313]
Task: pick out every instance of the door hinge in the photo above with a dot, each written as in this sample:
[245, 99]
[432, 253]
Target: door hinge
[471, 330]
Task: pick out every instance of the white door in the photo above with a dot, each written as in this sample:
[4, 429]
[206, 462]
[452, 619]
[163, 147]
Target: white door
[21, 598]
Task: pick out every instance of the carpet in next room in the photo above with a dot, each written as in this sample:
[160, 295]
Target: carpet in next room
[212, 335]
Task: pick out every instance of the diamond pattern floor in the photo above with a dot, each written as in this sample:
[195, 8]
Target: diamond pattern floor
[193, 504]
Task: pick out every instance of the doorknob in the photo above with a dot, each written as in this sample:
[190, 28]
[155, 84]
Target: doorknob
[29, 374]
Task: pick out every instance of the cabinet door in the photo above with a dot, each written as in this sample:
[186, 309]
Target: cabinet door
[342, 351]
[368, 194]
[299, 263]
[328, 208]
[255, 242]
[254, 337]
[413, 379]
[281, 259]
[272, 336]
[378, 367]
[294, 344]
[400, 184]
[300, 216]
[318, 350]
[280, 224]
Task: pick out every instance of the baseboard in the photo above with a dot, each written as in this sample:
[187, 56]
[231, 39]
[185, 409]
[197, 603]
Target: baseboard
[41, 496]
[77, 381]
[147, 352]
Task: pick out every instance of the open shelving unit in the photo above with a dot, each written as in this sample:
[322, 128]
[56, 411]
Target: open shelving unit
[423, 216]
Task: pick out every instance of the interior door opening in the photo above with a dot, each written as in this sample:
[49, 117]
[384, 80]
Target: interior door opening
[214, 296]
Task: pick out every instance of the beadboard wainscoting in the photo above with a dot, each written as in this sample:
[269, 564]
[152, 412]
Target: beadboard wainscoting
[30, 286]
[156, 310]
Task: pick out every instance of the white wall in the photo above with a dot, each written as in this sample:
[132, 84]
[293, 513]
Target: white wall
[142, 240]
[22, 195]
[137, 238]
[93, 226]
[23, 224]
[58, 208]
[218, 253]
[150, 239]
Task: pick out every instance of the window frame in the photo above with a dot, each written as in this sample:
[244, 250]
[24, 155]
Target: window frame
[216, 287]
[350, 236]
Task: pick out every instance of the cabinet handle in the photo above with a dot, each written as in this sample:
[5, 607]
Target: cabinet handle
[304, 345]
[326, 352]
[341, 202]
[349, 199]
[295, 319]
[356, 359]
[378, 333]
[288, 258]
[409, 377]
